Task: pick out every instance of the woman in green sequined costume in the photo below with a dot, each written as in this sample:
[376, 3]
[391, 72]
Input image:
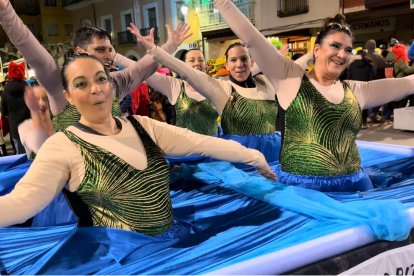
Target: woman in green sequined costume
[246, 104]
[320, 115]
[194, 111]
[112, 169]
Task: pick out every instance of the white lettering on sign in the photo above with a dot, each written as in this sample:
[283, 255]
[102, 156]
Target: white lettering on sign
[374, 25]
[193, 45]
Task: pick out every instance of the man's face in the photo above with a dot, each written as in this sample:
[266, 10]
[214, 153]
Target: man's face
[100, 48]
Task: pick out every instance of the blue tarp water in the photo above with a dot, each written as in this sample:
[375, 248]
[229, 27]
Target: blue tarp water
[225, 218]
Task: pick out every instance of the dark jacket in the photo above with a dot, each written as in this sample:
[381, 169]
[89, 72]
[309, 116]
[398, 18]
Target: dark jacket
[13, 106]
[361, 70]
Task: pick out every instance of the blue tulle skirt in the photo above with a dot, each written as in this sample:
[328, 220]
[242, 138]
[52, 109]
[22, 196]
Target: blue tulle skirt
[224, 216]
[356, 182]
[268, 144]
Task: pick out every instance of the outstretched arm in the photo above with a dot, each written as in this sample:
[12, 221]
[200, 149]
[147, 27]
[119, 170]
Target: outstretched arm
[186, 142]
[166, 85]
[47, 70]
[378, 92]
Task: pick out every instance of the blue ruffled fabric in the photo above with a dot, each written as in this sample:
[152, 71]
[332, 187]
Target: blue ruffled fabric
[268, 144]
[12, 168]
[387, 218]
[355, 182]
[221, 221]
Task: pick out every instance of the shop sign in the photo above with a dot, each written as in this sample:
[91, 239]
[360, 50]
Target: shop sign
[374, 25]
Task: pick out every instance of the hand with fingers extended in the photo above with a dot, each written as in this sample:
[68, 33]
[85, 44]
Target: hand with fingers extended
[36, 100]
[146, 41]
[32, 101]
[3, 4]
[177, 36]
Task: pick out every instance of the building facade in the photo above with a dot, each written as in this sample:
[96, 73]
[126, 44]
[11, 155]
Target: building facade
[295, 22]
[115, 16]
[380, 20]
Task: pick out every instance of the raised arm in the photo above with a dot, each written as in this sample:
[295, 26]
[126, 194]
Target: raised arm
[166, 85]
[378, 92]
[214, 90]
[186, 142]
[47, 70]
[137, 72]
[270, 61]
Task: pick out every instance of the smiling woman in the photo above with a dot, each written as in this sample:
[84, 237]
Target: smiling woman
[246, 103]
[320, 116]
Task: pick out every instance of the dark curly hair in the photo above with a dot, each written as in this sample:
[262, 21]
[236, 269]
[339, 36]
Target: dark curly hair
[333, 25]
[184, 53]
[84, 35]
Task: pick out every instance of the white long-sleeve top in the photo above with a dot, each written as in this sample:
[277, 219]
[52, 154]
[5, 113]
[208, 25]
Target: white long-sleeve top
[166, 85]
[286, 76]
[59, 163]
[216, 90]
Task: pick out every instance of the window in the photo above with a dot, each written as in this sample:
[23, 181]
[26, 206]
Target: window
[179, 8]
[126, 18]
[292, 7]
[50, 3]
[32, 28]
[68, 29]
[151, 15]
[28, 2]
[106, 23]
[52, 29]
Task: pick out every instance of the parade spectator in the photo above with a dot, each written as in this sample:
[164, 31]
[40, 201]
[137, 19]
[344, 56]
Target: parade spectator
[378, 62]
[12, 103]
[361, 69]
[397, 57]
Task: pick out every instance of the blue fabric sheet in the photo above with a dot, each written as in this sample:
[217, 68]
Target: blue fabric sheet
[225, 218]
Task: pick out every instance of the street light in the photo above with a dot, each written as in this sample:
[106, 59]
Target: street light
[184, 10]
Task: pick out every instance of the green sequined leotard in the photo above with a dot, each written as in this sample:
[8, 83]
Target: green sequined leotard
[243, 116]
[197, 116]
[115, 194]
[319, 137]
[70, 115]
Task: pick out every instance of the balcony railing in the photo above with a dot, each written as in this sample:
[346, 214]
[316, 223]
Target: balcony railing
[210, 19]
[292, 7]
[126, 38]
[370, 4]
[78, 3]
[70, 2]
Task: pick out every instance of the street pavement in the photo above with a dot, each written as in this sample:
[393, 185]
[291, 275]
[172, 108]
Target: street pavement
[385, 133]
